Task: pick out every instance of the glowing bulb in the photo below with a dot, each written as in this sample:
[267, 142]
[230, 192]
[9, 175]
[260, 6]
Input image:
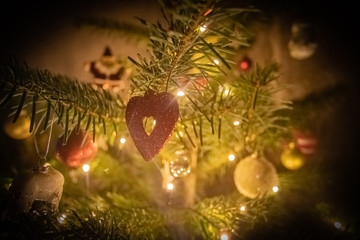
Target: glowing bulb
[224, 236]
[231, 157]
[122, 140]
[275, 189]
[181, 134]
[242, 208]
[216, 62]
[337, 225]
[170, 186]
[62, 218]
[180, 93]
[236, 123]
[203, 28]
[154, 122]
[188, 171]
[226, 92]
[86, 167]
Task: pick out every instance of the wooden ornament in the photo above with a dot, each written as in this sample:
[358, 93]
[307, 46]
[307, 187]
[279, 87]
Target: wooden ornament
[164, 109]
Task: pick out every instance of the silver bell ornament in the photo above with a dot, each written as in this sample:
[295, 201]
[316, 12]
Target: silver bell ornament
[41, 187]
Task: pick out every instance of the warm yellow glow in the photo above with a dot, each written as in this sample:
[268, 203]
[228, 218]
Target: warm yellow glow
[188, 171]
[226, 92]
[122, 140]
[242, 208]
[181, 134]
[203, 28]
[170, 186]
[86, 167]
[224, 236]
[275, 189]
[154, 122]
[216, 61]
[231, 157]
[236, 123]
[180, 93]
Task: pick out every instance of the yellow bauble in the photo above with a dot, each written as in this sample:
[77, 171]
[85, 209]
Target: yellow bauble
[255, 177]
[292, 159]
[20, 129]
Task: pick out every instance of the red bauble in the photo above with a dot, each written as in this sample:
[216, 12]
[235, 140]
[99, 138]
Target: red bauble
[305, 141]
[79, 149]
[244, 64]
[164, 109]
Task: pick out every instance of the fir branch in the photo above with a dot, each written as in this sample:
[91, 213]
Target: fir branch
[114, 27]
[60, 93]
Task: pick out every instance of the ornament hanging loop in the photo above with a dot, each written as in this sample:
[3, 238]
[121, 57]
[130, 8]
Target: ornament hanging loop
[42, 157]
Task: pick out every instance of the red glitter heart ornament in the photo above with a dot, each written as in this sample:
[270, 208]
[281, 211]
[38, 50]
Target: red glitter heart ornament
[164, 109]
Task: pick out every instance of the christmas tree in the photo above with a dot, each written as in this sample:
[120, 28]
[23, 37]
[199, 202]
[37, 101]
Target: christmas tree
[231, 121]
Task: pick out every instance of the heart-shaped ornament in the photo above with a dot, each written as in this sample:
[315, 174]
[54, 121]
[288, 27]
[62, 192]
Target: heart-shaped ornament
[164, 109]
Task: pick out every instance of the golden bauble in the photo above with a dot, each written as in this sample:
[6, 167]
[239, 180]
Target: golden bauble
[20, 129]
[255, 177]
[292, 159]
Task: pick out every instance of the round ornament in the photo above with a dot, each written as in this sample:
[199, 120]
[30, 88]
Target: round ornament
[20, 129]
[40, 189]
[255, 177]
[244, 64]
[181, 165]
[164, 109]
[291, 158]
[78, 149]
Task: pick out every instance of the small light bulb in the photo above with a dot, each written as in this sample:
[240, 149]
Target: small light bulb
[224, 236]
[275, 189]
[226, 92]
[180, 93]
[154, 122]
[188, 171]
[62, 218]
[216, 62]
[236, 123]
[86, 167]
[203, 28]
[337, 225]
[122, 140]
[181, 134]
[170, 186]
[231, 157]
[242, 208]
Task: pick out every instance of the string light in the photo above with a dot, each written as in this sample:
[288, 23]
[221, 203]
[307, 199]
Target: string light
[224, 236]
[180, 93]
[154, 122]
[242, 208]
[122, 140]
[231, 157]
[236, 123]
[226, 92]
[86, 167]
[216, 62]
[170, 186]
[337, 225]
[275, 189]
[203, 28]
[62, 218]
